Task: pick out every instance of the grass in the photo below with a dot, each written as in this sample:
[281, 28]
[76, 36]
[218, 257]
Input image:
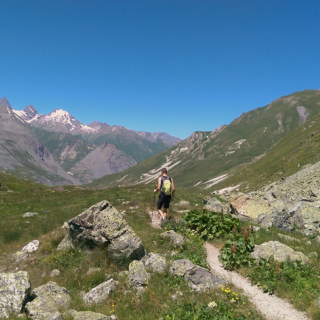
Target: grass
[54, 207]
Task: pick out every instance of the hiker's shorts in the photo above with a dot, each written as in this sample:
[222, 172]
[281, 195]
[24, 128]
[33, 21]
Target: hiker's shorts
[163, 201]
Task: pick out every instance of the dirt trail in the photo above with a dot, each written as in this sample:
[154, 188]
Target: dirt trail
[272, 307]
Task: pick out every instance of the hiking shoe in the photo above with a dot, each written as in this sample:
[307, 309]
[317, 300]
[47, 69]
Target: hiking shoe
[165, 219]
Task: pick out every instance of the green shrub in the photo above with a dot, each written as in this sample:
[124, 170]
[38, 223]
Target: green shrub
[209, 225]
[236, 251]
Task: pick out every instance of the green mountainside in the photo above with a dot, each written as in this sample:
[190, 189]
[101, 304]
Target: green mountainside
[65, 147]
[295, 151]
[134, 145]
[205, 156]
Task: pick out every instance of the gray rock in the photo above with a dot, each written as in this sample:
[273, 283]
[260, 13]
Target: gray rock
[155, 262]
[66, 244]
[255, 229]
[48, 299]
[198, 278]
[29, 214]
[308, 243]
[214, 205]
[312, 255]
[138, 276]
[14, 292]
[177, 239]
[288, 238]
[92, 270]
[88, 315]
[176, 295]
[55, 316]
[54, 273]
[19, 256]
[180, 267]
[279, 251]
[102, 224]
[101, 292]
[31, 246]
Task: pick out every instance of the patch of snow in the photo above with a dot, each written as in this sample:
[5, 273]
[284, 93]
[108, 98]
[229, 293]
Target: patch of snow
[239, 143]
[114, 128]
[216, 180]
[265, 129]
[197, 183]
[122, 178]
[229, 152]
[225, 190]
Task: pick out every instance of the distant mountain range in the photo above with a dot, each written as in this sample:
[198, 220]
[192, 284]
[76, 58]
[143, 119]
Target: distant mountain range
[208, 159]
[58, 149]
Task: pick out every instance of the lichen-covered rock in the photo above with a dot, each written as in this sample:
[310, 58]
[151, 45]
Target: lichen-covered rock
[101, 292]
[214, 205]
[155, 262]
[88, 315]
[66, 244]
[14, 292]
[19, 256]
[279, 251]
[138, 276]
[177, 239]
[92, 270]
[55, 316]
[183, 203]
[48, 299]
[198, 278]
[31, 246]
[102, 224]
[180, 267]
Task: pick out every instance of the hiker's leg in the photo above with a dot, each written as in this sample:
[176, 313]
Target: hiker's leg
[165, 212]
[161, 213]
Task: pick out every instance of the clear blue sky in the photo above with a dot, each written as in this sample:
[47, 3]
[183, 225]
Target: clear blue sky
[166, 65]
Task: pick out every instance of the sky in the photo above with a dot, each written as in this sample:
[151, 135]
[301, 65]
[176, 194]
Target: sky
[158, 66]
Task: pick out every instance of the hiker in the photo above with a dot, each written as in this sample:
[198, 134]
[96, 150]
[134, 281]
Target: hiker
[166, 187]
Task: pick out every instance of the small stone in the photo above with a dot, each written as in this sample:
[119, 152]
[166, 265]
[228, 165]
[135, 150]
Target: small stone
[177, 239]
[138, 276]
[255, 229]
[288, 238]
[31, 246]
[308, 243]
[312, 255]
[54, 273]
[92, 270]
[43, 275]
[29, 214]
[318, 239]
[125, 203]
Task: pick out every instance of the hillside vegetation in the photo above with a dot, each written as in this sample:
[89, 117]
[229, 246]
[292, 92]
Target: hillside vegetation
[206, 155]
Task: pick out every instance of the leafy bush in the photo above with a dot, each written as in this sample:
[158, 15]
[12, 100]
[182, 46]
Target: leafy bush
[236, 251]
[209, 225]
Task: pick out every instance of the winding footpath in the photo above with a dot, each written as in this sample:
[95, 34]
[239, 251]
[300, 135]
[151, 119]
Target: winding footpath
[272, 307]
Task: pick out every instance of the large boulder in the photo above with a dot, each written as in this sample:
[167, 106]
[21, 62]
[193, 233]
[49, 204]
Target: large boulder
[47, 299]
[14, 292]
[138, 276]
[198, 278]
[279, 251]
[214, 205]
[100, 293]
[103, 225]
[176, 238]
[155, 262]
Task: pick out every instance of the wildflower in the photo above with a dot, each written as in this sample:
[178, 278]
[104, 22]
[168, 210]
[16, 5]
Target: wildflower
[212, 304]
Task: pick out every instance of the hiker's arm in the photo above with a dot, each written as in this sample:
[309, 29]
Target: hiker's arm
[158, 187]
[172, 189]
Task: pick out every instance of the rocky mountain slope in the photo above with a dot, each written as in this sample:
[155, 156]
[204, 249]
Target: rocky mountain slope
[205, 158]
[24, 154]
[103, 160]
[138, 145]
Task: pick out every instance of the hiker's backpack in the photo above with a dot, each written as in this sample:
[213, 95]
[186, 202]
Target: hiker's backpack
[166, 185]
